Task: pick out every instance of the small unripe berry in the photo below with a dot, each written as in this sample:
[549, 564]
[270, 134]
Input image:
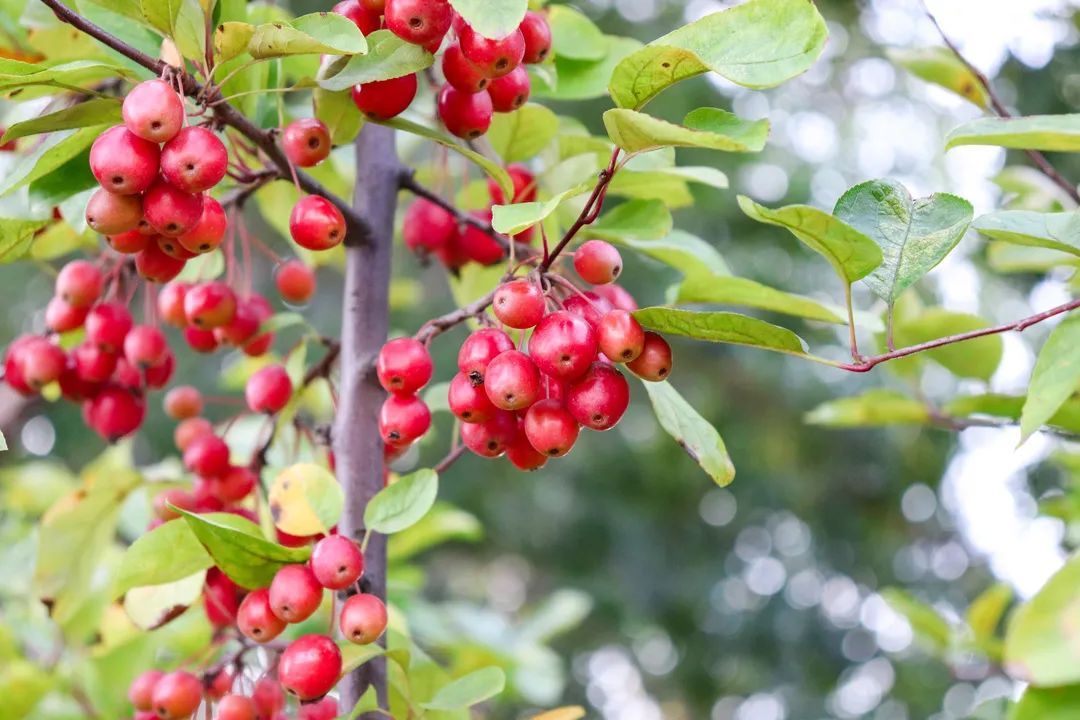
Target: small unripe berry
[107, 324]
[403, 419]
[60, 317]
[550, 428]
[309, 668]
[316, 223]
[295, 594]
[153, 111]
[306, 142]
[620, 336]
[597, 262]
[495, 58]
[385, 99]
[268, 390]
[177, 695]
[194, 160]
[599, 399]
[79, 283]
[157, 266]
[123, 162]
[190, 430]
[363, 619]
[170, 210]
[563, 345]
[256, 619]
[111, 214]
[183, 402]
[145, 346]
[404, 366]
[209, 231]
[141, 690]
[519, 304]
[461, 73]
[512, 381]
[466, 115]
[479, 349]
[654, 362]
[295, 281]
[236, 707]
[207, 456]
[420, 22]
[336, 562]
[511, 91]
[210, 305]
[537, 34]
[469, 401]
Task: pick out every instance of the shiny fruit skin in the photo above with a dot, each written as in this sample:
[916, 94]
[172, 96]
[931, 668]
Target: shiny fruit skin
[563, 345]
[141, 690]
[295, 281]
[597, 262]
[491, 438]
[177, 695]
[468, 401]
[466, 115]
[153, 111]
[479, 349]
[511, 91]
[537, 35]
[550, 428]
[79, 283]
[170, 210]
[309, 668]
[316, 224]
[123, 162]
[599, 399]
[336, 562]
[495, 58]
[209, 231]
[620, 336]
[306, 142]
[519, 304]
[367, 20]
[295, 594]
[256, 620]
[363, 619]
[427, 227]
[112, 214]
[404, 366]
[461, 73]
[195, 160]
[268, 390]
[420, 22]
[386, 99]
[654, 362]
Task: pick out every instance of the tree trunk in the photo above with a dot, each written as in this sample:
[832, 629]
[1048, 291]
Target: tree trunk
[358, 449]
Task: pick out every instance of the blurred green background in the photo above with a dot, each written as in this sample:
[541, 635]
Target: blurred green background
[667, 597]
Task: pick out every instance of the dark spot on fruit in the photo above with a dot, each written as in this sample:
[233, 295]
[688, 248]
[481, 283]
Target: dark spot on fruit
[565, 358]
[415, 22]
[502, 63]
[117, 180]
[492, 445]
[204, 247]
[156, 125]
[190, 167]
[662, 372]
[313, 143]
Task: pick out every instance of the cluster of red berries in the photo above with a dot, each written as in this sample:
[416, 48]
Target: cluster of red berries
[532, 405]
[483, 75]
[429, 229]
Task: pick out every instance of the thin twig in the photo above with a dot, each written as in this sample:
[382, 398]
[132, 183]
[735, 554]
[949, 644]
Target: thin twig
[588, 214]
[450, 459]
[952, 422]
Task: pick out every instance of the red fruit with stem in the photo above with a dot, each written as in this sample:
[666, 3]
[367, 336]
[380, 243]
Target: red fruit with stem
[589, 306]
[469, 401]
[201, 341]
[550, 428]
[115, 412]
[221, 599]
[654, 362]
[183, 402]
[93, 363]
[145, 346]
[512, 381]
[385, 99]
[60, 317]
[519, 304]
[495, 58]
[172, 247]
[363, 619]
[461, 73]
[177, 695]
[316, 223]
[325, 709]
[153, 111]
[170, 303]
[404, 366]
[170, 210]
[511, 91]
[295, 281]
[111, 214]
[268, 390]
[155, 265]
[195, 160]
[420, 22]
[597, 262]
[269, 698]
[107, 324]
[620, 336]
[466, 115]
[537, 35]
[41, 363]
[403, 420]
[492, 437]
[479, 349]
[295, 594]
[306, 142]
[236, 707]
[310, 667]
[337, 562]
[523, 455]
[207, 456]
[367, 20]
[123, 162]
[190, 430]
[524, 183]
[234, 485]
[256, 620]
[79, 283]
[129, 243]
[563, 345]
[141, 691]
[209, 232]
[427, 227]
[210, 305]
[599, 399]
[477, 244]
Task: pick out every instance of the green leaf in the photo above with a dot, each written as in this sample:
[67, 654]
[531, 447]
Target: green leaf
[941, 66]
[512, 219]
[53, 152]
[758, 44]
[695, 434]
[96, 111]
[522, 134]
[1056, 231]
[634, 220]
[323, 32]
[143, 563]
[306, 499]
[16, 237]
[873, 408]
[1040, 646]
[585, 79]
[573, 35]
[189, 30]
[1056, 375]
[1052, 133]
[18, 76]
[1058, 703]
[339, 113]
[231, 39]
[492, 18]
[161, 14]
[927, 624]
[985, 612]
[151, 607]
[495, 171]
[729, 290]
[852, 254]
[914, 235]
[403, 503]
[444, 523]
[388, 57]
[240, 551]
[721, 327]
[468, 690]
[977, 358]
[708, 128]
